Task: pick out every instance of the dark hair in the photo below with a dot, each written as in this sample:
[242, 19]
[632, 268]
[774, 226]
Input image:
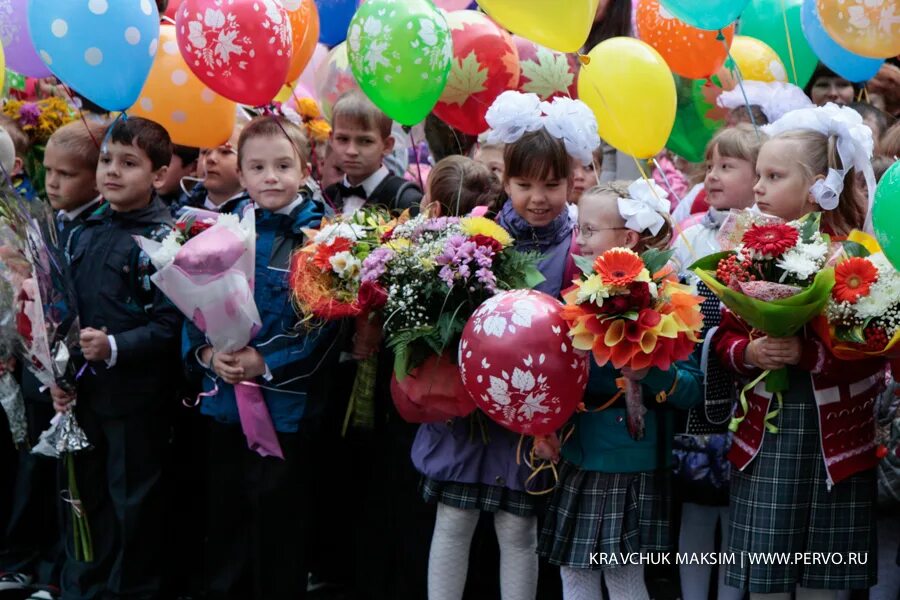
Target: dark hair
[820, 72]
[459, 184]
[740, 114]
[880, 165]
[162, 5]
[81, 140]
[537, 155]
[444, 141]
[274, 126]
[356, 107]
[149, 136]
[187, 154]
[880, 117]
[615, 23]
[890, 142]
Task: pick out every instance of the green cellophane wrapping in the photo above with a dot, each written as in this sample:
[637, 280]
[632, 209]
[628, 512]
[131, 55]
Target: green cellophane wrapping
[776, 318]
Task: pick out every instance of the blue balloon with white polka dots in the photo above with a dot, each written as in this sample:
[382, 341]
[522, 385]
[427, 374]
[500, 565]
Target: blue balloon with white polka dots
[103, 49]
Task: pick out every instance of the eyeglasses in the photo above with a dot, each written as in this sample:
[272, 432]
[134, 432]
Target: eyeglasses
[587, 232]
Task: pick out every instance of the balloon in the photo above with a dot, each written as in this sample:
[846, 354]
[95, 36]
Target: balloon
[400, 55]
[450, 5]
[705, 94]
[756, 61]
[176, 99]
[562, 26]
[2, 65]
[851, 67]
[868, 28]
[16, 41]
[305, 33]
[691, 132]
[635, 113]
[334, 78]
[334, 17]
[689, 52]
[432, 392]
[706, 14]
[886, 214]
[546, 72]
[518, 364]
[485, 64]
[765, 21]
[102, 49]
[241, 49]
[172, 8]
[308, 77]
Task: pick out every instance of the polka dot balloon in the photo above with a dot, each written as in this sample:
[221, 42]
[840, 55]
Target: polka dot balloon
[103, 49]
[176, 99]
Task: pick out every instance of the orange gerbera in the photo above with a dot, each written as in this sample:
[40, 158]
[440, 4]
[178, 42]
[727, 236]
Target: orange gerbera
[618, 267]
[853, 279]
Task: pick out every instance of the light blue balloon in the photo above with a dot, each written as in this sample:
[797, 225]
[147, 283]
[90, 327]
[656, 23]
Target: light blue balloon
[706, 14]
[334, 20]
[103, 49]
[851, 67]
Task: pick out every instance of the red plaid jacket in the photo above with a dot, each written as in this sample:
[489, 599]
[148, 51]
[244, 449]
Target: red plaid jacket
[845, 394]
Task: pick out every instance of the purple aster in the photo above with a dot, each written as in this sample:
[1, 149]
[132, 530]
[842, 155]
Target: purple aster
[29, 114]
[375, 264]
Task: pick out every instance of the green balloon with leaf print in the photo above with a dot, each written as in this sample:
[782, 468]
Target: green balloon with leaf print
[399, 52]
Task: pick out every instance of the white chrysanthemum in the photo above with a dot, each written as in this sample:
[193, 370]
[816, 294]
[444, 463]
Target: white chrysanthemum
[346, 265]
[167, 251]
[798, 265]
[816, 251]
[349, 231]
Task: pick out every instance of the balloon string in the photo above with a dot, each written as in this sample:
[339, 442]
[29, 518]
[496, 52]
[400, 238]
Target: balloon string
[740, 80]
[790, 46]
[412, 142]
[80, 113]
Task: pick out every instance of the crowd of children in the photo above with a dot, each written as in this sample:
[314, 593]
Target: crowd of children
[180, 507]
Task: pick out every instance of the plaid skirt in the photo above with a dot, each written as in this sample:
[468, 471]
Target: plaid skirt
[479, 496]
[780, 504]
[605, 513]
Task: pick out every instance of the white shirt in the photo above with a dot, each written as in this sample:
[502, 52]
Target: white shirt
[353, 203]
[71, 215]
[288, 209]
[210, 205]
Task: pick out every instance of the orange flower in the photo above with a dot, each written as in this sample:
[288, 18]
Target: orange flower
[618, 267]
[853, 279]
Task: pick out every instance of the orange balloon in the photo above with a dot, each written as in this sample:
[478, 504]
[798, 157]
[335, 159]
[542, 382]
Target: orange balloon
[868, 28]
[304, 18]
[175, 98]
[689, 52]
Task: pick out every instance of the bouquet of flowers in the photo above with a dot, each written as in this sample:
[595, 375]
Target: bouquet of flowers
[630, 312]
[776, 279]
[433, 273]
[47, 331]
[10, 393]
[862, 317]
[327, 285]
[206, 269]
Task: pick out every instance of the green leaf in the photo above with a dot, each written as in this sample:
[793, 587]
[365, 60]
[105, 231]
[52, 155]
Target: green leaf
[656, 259]
[533, 277]
[854, 249]
[401, 362]
[854, 334]
[585, 264]
[467, 77]
[809, 225]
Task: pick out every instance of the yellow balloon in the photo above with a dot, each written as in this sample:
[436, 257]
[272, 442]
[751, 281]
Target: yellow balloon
[756, 60]
[284, 94]
[2, 67]
[562, 26]
[630, 88]
[866, 28]
[175, 98]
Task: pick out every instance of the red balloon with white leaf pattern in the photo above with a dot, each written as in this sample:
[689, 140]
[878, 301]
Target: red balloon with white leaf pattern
[546, 72]
[485, 64]
[518, 364]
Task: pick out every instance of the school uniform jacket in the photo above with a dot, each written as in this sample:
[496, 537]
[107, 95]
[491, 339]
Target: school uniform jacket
[845, 393]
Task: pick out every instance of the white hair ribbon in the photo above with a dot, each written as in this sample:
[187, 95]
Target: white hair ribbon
[644, 207]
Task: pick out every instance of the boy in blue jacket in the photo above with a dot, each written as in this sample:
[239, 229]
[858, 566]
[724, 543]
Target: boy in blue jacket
[258, 521]
[129, 338]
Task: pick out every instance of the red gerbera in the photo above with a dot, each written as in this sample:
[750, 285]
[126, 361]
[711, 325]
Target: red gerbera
[771, 241]
[853, 279]
[324, 252]
[618, 267]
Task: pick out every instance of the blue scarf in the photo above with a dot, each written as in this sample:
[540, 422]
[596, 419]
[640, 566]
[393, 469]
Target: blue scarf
[554, 241]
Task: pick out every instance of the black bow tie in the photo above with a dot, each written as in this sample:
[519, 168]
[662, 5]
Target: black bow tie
[357, 190]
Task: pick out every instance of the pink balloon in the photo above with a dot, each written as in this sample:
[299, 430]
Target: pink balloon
[518, 364]
[453, 4]
[308, 77]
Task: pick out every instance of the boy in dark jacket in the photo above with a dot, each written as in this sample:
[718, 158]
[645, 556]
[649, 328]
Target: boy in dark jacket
[129, 339]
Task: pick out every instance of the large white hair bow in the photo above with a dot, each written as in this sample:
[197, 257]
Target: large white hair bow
[513, 114]
[854, 145]
[775, 98]
[644, 207]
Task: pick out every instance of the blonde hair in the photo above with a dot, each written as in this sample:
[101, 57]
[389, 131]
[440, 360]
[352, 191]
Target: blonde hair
[81, 140]
[459, 184]
[742, 142]
[817, 154]
[355, 107]
[647, 240]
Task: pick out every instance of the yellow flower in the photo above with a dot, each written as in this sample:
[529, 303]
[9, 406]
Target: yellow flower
[318, 130]
[308, 109]
[473, 226]
[398, 244]
[591, 290]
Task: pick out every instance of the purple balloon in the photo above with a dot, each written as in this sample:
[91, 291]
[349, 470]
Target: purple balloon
[21, 56]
